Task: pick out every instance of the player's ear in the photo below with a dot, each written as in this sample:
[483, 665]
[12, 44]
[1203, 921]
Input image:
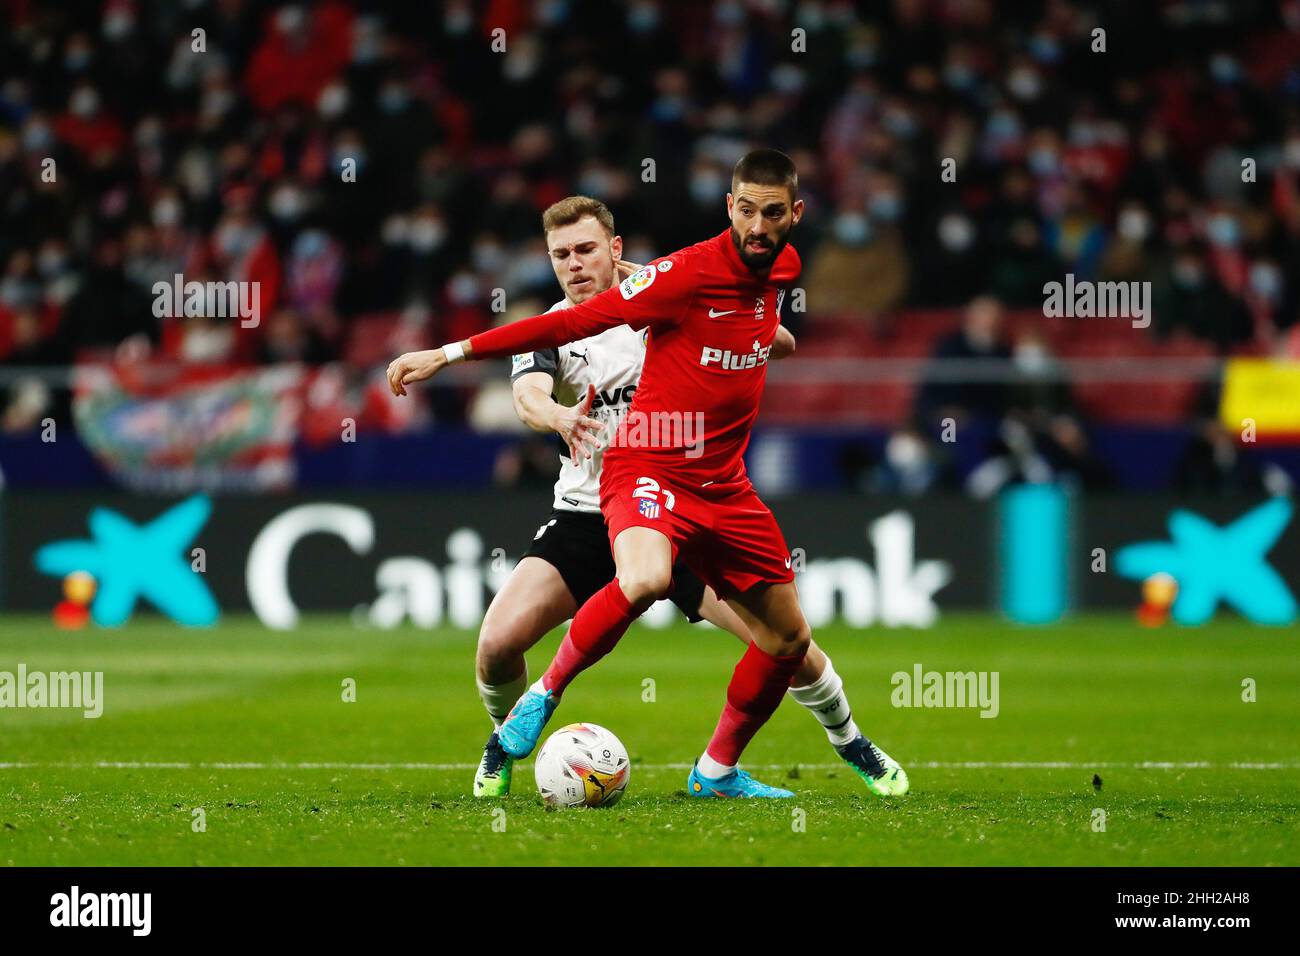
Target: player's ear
[796, 211]
[729, 205]
[616, 248]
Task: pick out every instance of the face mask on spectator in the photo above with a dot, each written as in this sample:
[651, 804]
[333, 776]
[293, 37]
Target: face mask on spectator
[310, 244]
[810, 16]
[394, 230]
[458, 21]
[906, 452]
[595, 182]
[166, 212]
[1003, 126]
[51, 263]
[463, 289]
[488, 257]
[216, 103]
[859, 56]
[638, 253]
[959, 76]
[1045, 48]
[1222, 230]
[37, 137]
[287, 204]
[956, 232]
[393, 99]
[234, 241]
[707, 187]
[520, 65]
[290, 20]
[729, 14]
[852, 228]
[427, 235]
[333, 101]
[787, 78]
[1043, 161]
[1024, 83]
[1134, 225]
[366, 39]
[118, 24]
[1266, 280]
[642, 17]
[1032, 357]
[77, 59]
[148, 133]
[886, 207]
[1188, 274]
[552, 12]
[1224, 69]
[535, 270]
[84, 103]
[900, 123]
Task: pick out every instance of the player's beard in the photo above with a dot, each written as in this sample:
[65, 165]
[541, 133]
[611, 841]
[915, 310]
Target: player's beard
[759, 261]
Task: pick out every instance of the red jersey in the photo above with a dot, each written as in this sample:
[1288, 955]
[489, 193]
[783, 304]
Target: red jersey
[711, 325]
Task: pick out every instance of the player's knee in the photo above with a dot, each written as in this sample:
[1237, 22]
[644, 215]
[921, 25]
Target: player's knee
[643, 586]
[499, 647]
[796, 640]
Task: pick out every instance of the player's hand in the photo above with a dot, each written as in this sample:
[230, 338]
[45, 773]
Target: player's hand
[414, 367]
[626, 268]
[578, 430]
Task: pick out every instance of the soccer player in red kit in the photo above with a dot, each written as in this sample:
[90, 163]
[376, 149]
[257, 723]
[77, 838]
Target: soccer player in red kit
[674, 479]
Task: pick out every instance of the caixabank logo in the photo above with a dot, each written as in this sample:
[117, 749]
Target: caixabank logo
[123, 563]
[1212, 565]
[1217, 555]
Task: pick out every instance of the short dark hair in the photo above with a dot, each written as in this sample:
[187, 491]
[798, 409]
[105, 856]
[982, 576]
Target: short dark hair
[766, 167]
[573, 209]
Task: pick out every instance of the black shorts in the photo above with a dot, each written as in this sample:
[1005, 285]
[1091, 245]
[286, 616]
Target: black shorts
[577, 544]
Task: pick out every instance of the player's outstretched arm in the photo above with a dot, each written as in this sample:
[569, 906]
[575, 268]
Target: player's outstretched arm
[411, 367]
[546, 331]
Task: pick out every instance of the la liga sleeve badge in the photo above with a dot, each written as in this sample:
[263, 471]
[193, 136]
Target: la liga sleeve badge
[637, 282]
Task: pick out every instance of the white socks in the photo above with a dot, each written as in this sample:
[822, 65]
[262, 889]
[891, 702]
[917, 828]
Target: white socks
[825, 699]
[711, 768]
[499, 698]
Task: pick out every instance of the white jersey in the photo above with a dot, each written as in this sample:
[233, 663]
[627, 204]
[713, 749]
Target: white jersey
[611, 361]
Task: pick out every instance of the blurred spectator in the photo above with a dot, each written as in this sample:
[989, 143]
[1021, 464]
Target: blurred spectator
[980, 338]
[363, 160]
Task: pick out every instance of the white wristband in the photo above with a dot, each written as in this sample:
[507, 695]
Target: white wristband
[454, 353]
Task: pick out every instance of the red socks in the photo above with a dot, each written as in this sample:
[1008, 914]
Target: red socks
[757, 686]
[596, 628]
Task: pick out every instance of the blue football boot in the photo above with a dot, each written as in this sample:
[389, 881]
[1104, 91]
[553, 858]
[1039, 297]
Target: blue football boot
[523, 727]
[735, 784]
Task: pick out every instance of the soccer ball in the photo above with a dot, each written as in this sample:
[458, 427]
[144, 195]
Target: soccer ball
[582, 765]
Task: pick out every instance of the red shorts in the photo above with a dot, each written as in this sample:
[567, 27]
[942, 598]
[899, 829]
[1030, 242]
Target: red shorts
[723, 531]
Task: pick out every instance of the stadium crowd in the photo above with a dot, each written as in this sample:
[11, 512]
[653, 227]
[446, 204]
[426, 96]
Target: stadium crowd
[212, 138]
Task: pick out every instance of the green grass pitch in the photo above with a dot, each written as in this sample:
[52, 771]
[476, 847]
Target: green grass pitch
[250, 726]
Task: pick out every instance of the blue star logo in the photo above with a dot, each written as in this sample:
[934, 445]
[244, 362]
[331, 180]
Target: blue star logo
[130, 561]
[1213, 564]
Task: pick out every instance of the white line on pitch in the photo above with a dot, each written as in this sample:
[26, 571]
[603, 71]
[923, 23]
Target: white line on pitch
[928, 765]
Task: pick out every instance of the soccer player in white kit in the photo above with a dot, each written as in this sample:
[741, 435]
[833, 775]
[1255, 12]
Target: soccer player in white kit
[580, 391]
